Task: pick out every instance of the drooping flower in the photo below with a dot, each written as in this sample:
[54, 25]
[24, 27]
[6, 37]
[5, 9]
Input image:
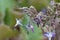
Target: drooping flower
[29, 26]
[32, 28]
[49, 34]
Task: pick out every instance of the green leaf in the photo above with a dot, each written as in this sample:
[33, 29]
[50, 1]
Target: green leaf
[9, 19]
[5, 4]
[37, 34]
[25, 20]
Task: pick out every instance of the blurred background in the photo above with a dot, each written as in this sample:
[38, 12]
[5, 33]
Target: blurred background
[10, 10]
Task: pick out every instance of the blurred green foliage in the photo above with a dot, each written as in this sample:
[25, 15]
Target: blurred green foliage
[38, 4]
[57, 1]
[5, 7]
[24, 3]
[6, 4]
[6, 32]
